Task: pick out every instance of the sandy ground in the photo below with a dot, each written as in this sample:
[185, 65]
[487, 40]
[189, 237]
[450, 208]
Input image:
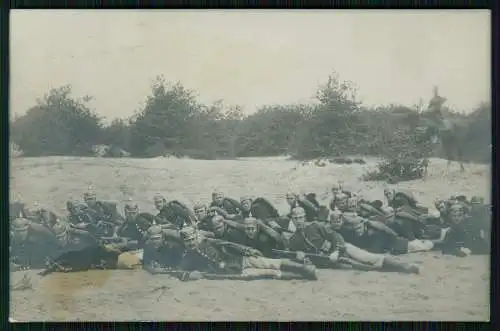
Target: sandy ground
[448, 288]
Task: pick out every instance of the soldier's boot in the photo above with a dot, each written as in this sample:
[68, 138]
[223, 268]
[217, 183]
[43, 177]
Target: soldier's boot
[392, 264]
[306, 271]
[287, 275]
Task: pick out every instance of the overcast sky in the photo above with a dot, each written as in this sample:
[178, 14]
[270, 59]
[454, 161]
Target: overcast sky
[251, 57]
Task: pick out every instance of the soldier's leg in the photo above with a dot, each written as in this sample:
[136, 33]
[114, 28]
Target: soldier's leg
[419, 245]
[128, 260]
[385, 262]
[279, 265]
[256, 273]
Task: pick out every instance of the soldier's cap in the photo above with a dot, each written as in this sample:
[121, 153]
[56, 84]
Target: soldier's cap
[336, 186]
[245, 198]
[20, 224]
[291, 195]
[158, 197]
[89, 195]
[250, 220]
[154, 232]
[199, 205]
[439, 202]
[217, 193]
[298, 212]
[388, 190]
[217, 218]
[188, 232]
[131, 207]
[341, 196]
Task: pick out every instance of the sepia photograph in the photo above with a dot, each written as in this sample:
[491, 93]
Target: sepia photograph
[246, 165]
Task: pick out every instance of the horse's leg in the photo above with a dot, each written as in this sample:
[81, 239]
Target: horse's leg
[460, 156]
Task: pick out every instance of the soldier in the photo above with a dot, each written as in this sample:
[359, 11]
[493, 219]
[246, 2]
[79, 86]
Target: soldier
[203, 217]
[259, 208]
[136, 224]
[261, 236]
[227, 230]
[223, 257]
[31, 244]
[340, 202]
[16, 210]
[311, 210]
[376, 237]
[71, 236]
[405, 200]
[47, 218]
[323, 240]
[230, 206]
[173, 212]
[463, 238]
[163, 248]
[102, 211]
[404, 224]
[77, 214]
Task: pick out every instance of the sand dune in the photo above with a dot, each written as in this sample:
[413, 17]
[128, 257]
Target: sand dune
[448, 289]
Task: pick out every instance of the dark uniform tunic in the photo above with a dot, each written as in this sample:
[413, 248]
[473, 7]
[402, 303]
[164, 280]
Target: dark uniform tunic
[167, 256]
[40, 244]
[233, 235]
[376, 241]
[264, 243]
[465, 235]
[135, 229]
[106, 212]
[316, 238]
[209, 255]
[80, 237]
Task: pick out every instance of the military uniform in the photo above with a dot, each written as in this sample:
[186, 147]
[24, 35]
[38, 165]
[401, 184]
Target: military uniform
[222, 257]
[33, 250]
[163, 248]
[312, 212]
[136, 229]
[263, 240]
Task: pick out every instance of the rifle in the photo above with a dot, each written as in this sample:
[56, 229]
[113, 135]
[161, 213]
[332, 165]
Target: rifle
[113, 240]
[292, 255]
[180, 274]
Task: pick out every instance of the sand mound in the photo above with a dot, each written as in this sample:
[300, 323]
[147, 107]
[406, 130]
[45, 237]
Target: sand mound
[448, 289]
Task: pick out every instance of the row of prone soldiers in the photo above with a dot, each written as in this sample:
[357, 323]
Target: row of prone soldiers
[248, 238]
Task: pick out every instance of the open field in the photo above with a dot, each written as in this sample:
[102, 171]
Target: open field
[448, 288]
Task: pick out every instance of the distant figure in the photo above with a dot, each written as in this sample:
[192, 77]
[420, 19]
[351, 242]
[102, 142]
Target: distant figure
[441, 128]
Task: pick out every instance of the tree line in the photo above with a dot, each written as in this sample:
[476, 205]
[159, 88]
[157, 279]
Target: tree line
[174, 122]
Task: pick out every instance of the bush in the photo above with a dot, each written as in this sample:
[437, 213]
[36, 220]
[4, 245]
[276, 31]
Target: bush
[174, 122]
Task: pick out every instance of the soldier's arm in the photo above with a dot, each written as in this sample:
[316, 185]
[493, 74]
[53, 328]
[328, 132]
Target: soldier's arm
[377, 225]
[234, 224]
[271, 232]
[308, 204]
[223, 213]
[240, 248]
